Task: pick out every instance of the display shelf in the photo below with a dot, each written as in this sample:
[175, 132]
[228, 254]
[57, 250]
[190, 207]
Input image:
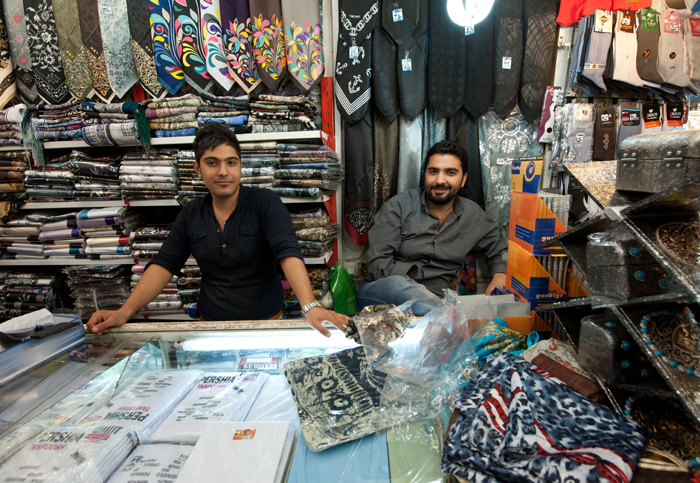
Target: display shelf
[565, 318]
[118, 261]
[188, 140]
[686, 387]
[597, 179]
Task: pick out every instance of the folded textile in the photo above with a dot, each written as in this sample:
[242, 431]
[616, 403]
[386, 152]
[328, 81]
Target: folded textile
[90, 213]
[297, 192]
[112, 134]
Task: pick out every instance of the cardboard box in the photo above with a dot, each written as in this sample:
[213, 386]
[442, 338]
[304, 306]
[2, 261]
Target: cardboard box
[526, 174]
[532, 223]
[528, 278]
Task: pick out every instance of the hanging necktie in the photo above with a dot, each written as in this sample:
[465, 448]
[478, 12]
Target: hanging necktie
[19, 48]
[359, 179]
[8, 86]
[508, 56]
[353, 69]
[446, 77]
[412, 66]
[142, 47]
[539, 52]
[304, 38]
[46, 56]
[189, 47]
[478, 85]
[384, 75]
[268, 41]
[168, 66]
[72, 50]
[238, 43]
[400, 18]
[92, 40]
[213, 40]
[116, 45]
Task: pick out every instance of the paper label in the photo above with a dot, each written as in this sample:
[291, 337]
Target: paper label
[630, 117]
[406, 65]
[607, 120]
[106, 8]
[468, 29]
[650, 20]
[354, 52]
[397, 14]
[695, 26]
[627, 22]
[603, 21]
[674, 114]
[651, 115]
[507, 63]
[672, 23]
[258, 364]
[244, 434]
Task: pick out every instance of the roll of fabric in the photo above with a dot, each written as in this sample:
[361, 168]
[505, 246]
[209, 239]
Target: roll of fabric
[126, 133]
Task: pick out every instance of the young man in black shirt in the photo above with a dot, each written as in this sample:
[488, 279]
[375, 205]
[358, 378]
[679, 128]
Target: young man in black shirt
[242, 238]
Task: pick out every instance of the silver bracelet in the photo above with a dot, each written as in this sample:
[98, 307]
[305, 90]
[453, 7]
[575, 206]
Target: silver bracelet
[305, 309]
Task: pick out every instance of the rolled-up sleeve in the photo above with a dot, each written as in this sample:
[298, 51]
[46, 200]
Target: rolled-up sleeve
[175, 250]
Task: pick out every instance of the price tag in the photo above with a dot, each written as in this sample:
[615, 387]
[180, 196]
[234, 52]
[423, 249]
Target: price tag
[406, 65]
[507, 63]
[106, 8]
[397, 14]
[354, 52]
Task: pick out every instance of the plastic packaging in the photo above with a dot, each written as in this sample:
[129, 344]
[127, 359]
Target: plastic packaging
[153, 463]
[343, 289]
[378, 329]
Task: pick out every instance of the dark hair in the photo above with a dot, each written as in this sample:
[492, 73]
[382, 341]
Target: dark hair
[447, 147]
[213, 135]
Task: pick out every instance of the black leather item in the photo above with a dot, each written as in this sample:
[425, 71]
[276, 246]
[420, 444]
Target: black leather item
[358, 209]
[478, 83]
[400, 18]
[508, 56]
[384, 73]
[446, 62]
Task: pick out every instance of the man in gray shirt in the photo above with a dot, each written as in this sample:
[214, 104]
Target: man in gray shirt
[420, 238]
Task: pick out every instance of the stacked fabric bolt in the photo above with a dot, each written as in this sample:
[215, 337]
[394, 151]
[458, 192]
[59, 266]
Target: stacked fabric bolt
[314, 231]
[98, 287]
[53, 181]
[25, 292]
[104, 230]
[165, 303]
[319, 283]
[174, 116]
[19, 238]
[190, 184]
[259, 161]
[307, 169]
[13, 164]
[146, 241]
[122, 123]
[149, 177]
[269, 113]
[96, 177]
[11, 125]
[189, 284]
[232, 111]
[60, 235]
[60, 121]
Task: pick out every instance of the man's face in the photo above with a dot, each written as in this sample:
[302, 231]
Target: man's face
[220, 168]
[443, 178]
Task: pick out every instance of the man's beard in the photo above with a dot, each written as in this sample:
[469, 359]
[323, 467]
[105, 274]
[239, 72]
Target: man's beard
[444, 199]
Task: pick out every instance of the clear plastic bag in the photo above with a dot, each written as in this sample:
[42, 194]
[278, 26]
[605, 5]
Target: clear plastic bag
[378, 329]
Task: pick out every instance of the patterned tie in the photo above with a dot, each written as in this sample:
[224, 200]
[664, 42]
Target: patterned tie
[189, 46]
[213, 40]
[478, 85]
[142, 47]
[238, 43]
[21, 57]
[168, 66]
[446, 79]
[304, 38]
[46, 56]
[508, 56]
[8, 86]
[268, 44]
[72, 50]
[92, 39]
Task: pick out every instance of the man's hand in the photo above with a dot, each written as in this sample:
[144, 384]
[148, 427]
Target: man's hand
[317, 315]
[498, 279]
[102, 320]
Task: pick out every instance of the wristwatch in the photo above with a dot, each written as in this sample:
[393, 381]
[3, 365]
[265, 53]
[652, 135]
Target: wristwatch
[305, 309]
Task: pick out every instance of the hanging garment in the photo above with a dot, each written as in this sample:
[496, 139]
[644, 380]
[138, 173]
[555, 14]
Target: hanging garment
[384, 75]
[410, 153]
[353, 69]
[412, 66]
[386, 159]
[625, 50]
[463, 129]
[8, 85]
[268, 44]
[189, 45]
[446, 71]
[116, 45]
[92, 40]
[213, 40]
[648, 46]
[142, 47]
[672, 58]
[168, 66]
[238, 43]
[303, 36]
[539, 54]
[604, 134]
[46, 56]
[478, 85]
[508, 56]
[19, 48]
[72, 50]
[692, 42]
[401, 18]
[359, 177]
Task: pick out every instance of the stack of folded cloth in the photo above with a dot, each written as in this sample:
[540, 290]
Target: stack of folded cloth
[19, 238]
[120, 123]
[174, 116]
[146, 241]
[308, 169]
[232, 111]
[25, 292]
[269, 113]
[317, 241]
[96, 177]
[54, 181]
[319, 284]
[97, 287]
[259, 161]
[60, 235]
[189, 284]
[104, 230]
[149, 177]
[60, 121]
[11, 125]
[165, 303]
[190, 184]
[13, 164]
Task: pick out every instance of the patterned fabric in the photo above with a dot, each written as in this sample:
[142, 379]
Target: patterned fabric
[72, 50]
[478, 85]
[238, 43]
[401, 27]
[445, 79]
[19, 48]
[116, 45]
[506, 431]
[304, 39]
[112, 134]
[412, 83]
[8, 86]
[508, 56]
[142, 46]
[384, 75]
[268, 41]
[46, 56]
[189, 45]
[168, 66]
[92, 40]
[359, 179]
[212, 37]
[386, 158]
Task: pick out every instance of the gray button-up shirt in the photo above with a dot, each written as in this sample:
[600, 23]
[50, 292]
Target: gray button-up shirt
[405, 240]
